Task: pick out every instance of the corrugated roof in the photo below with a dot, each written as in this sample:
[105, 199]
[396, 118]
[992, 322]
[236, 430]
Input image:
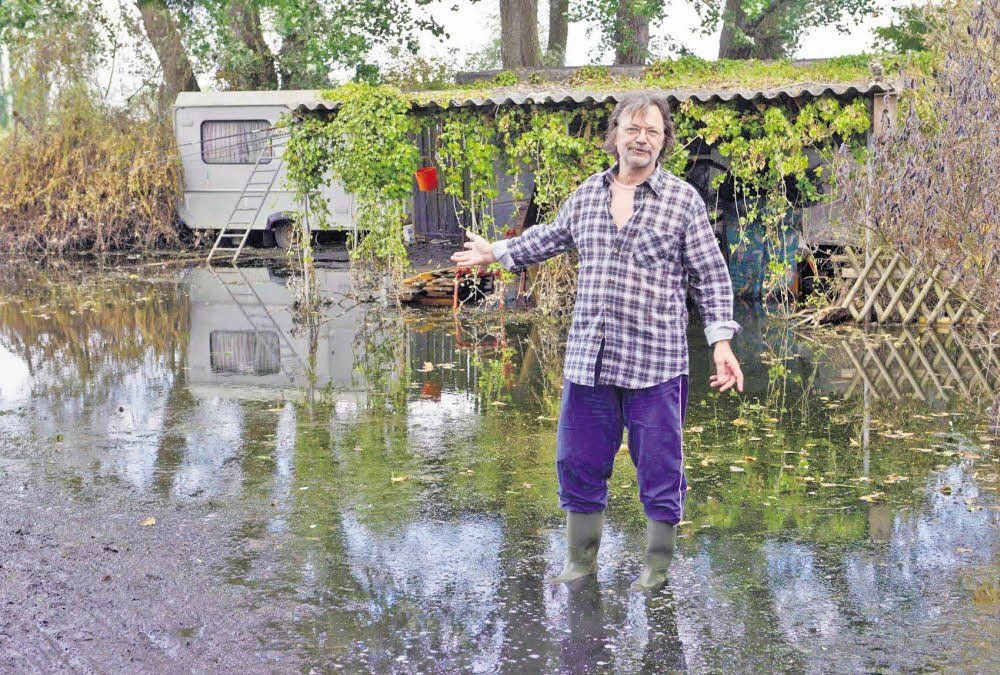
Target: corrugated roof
[501, 97]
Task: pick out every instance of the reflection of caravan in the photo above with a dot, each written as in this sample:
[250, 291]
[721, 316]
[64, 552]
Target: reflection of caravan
[231, 151]
[242, 343]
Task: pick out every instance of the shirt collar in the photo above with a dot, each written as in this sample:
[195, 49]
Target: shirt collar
[657, 180]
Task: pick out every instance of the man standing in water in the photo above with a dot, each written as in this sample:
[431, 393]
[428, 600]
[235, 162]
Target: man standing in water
[643, 236]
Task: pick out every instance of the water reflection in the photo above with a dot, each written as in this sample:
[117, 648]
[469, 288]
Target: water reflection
[387, 476]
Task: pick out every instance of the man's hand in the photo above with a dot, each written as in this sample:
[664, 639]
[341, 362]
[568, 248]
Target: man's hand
[478, 252]
[727, 368]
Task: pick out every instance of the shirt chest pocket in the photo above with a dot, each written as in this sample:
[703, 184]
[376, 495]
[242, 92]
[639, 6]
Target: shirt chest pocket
[655, 248]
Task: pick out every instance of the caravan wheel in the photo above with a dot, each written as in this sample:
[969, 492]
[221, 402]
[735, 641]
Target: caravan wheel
[283, 233]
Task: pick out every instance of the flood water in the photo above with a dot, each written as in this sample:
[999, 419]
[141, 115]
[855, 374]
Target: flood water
[387, 479]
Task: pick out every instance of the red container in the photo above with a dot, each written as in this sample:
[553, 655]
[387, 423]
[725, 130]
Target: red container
[427, 179]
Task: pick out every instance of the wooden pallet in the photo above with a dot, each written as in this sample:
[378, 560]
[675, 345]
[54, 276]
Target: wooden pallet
[888, 288]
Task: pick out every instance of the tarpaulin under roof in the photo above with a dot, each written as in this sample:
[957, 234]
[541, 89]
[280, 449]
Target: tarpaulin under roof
[432, 101]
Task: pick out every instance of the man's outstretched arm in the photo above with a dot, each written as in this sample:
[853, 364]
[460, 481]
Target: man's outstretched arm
[538, 243]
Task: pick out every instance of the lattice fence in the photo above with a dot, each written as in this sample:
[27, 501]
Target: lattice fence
[887, 288]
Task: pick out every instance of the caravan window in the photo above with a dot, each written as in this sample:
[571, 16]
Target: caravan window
[235, 141]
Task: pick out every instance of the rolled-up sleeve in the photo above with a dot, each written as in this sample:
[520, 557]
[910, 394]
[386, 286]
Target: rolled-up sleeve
[708, 275]
[537, 243]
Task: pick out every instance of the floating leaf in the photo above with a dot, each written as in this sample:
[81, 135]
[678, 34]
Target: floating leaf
[696, 430]
[872, 497]
[736, 469]
[148, 522]
[400, 479]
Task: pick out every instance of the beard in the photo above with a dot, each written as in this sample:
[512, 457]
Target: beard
[639, 158]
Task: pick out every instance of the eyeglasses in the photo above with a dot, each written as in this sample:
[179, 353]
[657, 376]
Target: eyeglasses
[651, 134]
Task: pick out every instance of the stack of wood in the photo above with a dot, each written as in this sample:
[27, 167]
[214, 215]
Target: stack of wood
[437, 287]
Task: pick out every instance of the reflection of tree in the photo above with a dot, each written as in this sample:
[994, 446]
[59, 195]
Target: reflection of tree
[81, 333]
[739, 574]
[664, 651]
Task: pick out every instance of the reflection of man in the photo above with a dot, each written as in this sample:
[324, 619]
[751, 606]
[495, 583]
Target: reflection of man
[642, 235]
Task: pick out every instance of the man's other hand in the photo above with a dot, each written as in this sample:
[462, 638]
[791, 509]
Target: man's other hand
[478, 252]
[727, 368]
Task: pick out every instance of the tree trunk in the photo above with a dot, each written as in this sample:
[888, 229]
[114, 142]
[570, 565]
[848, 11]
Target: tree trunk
[257, 71]
[757, 39]
[555, 53]
[631, 35]
[519, 34]
[733, 23]
[163, 34]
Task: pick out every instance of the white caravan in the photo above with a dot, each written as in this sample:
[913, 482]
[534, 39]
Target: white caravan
[229, 147]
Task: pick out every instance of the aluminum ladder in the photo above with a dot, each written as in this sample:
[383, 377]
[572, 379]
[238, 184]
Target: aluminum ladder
[251, 200]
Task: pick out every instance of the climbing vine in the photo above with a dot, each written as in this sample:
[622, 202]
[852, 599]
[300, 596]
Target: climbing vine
[770, 147]
[368, 147]
[466, 156]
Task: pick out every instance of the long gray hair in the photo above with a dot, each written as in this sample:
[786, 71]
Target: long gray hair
[630, 103]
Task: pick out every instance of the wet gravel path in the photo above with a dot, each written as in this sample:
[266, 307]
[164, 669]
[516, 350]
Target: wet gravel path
[84, 587]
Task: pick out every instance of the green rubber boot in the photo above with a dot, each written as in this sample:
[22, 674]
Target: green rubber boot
[661, 539]
[583, 539]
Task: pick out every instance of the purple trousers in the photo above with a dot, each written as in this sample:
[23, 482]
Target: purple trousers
[590, 434]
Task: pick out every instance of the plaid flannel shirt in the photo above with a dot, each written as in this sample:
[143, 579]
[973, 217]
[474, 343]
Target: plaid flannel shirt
[632, 283]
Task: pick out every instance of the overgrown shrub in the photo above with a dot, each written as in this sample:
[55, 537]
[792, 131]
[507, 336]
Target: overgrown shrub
[929, 188]
[88, 178]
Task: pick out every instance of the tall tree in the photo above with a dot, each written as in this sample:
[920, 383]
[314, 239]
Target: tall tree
[519, 46]
[631, 30]
[555, 50]
[313, 36]
[165, 37]
[624, 25]
[773, 29]
[248, 62]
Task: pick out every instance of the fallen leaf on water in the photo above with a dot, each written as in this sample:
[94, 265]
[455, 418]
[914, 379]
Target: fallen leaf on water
[873, 497]
[736, 469]
[962, 549]
[894, 478]
[945, 489]
[754, 438]
[400, 479]
[771, 420]
[739, 422]
[707, 461]
[148, 521]
[696, 430]
[854, 443]
[683, 523]
[526, 485]
[498, 403]
[427, 367]
[543, 418]
[446, 366]
[748, 458]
